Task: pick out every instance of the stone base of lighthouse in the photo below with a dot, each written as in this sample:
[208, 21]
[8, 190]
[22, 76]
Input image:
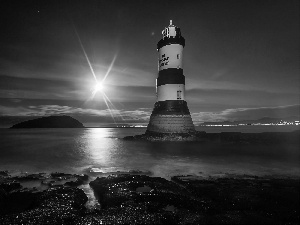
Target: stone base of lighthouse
[170, 121]
[171, 116]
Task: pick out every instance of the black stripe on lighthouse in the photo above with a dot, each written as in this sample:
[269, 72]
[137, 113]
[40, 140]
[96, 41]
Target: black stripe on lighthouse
[170, 76]
[169, 41]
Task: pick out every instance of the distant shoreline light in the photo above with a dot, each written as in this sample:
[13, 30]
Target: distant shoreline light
[213, 125]
[251, 124]
[132, 126]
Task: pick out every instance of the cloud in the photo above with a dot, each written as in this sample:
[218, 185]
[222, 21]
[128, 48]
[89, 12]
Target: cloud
[84, 115]
[220, 99]
[247, 114]
[216, 85]
[18, 87]
[15, 111]
[142, 115]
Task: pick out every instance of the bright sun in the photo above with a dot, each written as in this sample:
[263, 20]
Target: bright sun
[99, 87]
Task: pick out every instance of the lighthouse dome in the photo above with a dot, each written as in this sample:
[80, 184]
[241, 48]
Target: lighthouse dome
[171, 35]
[171, 31]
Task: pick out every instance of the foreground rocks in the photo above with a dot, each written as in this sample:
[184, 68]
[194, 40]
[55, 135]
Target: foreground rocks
[54, 206]
[140, 199]
[54, 199]
[246, 199]
[194, 200]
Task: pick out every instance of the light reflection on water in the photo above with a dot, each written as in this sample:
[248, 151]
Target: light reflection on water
[99, 147]
[104, 150]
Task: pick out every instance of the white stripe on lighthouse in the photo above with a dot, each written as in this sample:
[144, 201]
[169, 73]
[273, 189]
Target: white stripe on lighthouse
[170, 56]
[170, 92]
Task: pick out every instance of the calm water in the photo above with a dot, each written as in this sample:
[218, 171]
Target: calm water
[97, 151]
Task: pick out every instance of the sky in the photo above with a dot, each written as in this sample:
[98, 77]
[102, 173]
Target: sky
[241, 59]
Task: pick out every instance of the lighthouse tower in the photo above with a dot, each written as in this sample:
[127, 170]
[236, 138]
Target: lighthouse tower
[170, 113]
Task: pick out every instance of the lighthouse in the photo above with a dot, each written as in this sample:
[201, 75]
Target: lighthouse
[170, 113]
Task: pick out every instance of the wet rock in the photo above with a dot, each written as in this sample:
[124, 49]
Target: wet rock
[53, 206]
[61, 175]
[246, 199]
[170, 208]
[54, 185]
[138, 197]
[143, 189]
[19, 201]
[83, 177]
[80, 179]
[47, 182]
[74, 197]
[75, 183]
[4, 173]
[30, 177]
[56, 205]
[10, 185]
[3, 196]
[142, 172]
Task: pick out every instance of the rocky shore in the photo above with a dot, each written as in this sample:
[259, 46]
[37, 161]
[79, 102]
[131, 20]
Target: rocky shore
[140, 199]
[234, 137]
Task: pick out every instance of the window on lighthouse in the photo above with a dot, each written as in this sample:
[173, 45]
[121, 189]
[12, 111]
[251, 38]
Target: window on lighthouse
[179, 95]
[166, 33]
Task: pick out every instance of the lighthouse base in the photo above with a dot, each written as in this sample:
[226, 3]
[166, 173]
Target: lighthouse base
[167, 137]
[171, 124]
[171, 116]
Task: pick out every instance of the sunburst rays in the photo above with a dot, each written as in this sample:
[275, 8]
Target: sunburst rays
[110, 106]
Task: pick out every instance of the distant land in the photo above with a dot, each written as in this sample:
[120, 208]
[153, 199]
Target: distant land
[8, 121]
[50, 122]
[292, 120]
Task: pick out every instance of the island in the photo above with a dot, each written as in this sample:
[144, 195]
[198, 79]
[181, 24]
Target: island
[50, 122]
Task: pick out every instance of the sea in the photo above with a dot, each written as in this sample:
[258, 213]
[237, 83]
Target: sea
[102, 151]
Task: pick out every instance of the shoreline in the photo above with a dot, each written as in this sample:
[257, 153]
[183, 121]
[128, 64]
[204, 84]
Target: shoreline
[186, 199]
[226, 137]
